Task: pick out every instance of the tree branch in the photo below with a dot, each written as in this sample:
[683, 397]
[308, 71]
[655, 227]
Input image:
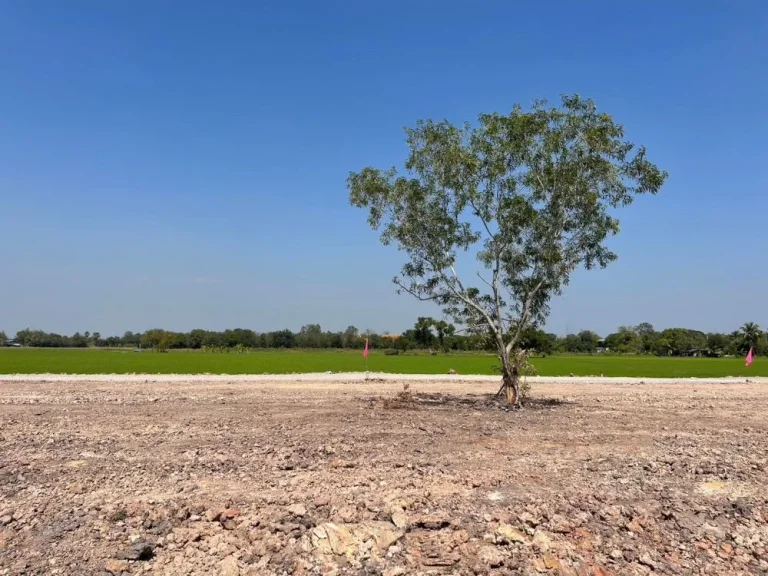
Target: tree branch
[414, 293]
[466, 299]
[524, 316]
[497, 257]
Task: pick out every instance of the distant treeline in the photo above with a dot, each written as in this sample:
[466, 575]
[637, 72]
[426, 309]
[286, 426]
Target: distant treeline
[427, 334]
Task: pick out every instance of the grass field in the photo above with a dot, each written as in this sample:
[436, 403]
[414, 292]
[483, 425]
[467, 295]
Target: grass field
[31, 361]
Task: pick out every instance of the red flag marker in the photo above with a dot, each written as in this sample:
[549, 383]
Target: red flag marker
[750, 356]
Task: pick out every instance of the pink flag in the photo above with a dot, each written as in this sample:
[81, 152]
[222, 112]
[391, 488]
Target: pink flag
[365, 352]
[750, 356]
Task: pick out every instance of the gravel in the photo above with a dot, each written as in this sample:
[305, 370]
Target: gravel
[332, 474]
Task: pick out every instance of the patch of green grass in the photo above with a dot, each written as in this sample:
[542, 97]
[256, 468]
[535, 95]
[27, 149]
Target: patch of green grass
[57, 361]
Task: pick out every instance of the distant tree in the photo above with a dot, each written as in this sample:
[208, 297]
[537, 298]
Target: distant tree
[79, 340]
[443, 330]
[588, 340]
[647, 336]
[422, 332]
[152, 338]
[532, 193]
[113, 341]
[718, 344]
[625, 341]
[335, 340]
[310, 336]
[196, 338]
[679, 342]
[3, 339]
[537, 340]
[644, 328]
[585, 342]
[750, 335]
[283, 339]
[351, 337]
[131, 339]
[96, 337]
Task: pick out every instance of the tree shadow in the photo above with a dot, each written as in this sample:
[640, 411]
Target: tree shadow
[485, 402]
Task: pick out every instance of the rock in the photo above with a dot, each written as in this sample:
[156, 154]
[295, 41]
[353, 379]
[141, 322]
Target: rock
[350, 539]
[339, 463]
[507, 534]
[383, 535]
[490, 556]
[715, 531]
[528, 518]
[5, 537]
[227, 519]
[5, 520]
[348, 514]
[396, 571]
[297, 509]
[183, 535]
[559, 524]
[330, 538]
[634, 526]
[542, 541]
[550, 562]
[212, 515]
[452, 372]
[399, 519]
[117, 567]
[139, 550]
[432, 522]
[617, 554]
[229, 567]
[646, 560]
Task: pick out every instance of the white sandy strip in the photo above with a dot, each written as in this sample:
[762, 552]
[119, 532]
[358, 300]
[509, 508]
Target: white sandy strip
[357, 377]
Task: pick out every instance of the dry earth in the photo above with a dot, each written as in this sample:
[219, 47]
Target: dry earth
[335, 476]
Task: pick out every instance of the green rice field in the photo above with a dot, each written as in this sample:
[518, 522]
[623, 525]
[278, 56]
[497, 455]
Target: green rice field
[111, 361]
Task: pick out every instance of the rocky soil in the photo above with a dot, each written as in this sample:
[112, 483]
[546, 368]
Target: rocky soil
[328, 477]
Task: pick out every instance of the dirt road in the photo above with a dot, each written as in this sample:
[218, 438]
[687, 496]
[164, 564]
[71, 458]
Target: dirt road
[294, 476]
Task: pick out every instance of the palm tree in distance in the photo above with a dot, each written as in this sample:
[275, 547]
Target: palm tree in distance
[750, 334]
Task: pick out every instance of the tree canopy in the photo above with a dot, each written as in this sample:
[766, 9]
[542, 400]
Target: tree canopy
[530, 193]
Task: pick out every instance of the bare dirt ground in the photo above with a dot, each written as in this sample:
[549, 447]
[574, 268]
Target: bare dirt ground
[281, 476]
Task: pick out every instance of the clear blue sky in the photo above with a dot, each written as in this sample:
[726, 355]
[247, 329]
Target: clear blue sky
[183, 164]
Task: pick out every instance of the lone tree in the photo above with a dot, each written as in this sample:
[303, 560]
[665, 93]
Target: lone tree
[529, 193]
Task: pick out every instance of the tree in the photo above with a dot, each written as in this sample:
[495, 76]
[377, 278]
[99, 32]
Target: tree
[310, 336]
[422, 332]
[444, 330]
[537, 340]
[718, 344]
[679, 341]
[79, 340]
[96, 336]
[529, 192]
[750, 335]
[351, 337]
[131, 339]
[625, 341]
[3, 339]
[648, 336]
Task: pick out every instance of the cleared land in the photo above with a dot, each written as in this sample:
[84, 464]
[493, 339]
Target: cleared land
[278, 476]
[53, 361]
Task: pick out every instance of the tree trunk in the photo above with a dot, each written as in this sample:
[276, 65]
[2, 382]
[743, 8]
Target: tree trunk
[510, 378]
